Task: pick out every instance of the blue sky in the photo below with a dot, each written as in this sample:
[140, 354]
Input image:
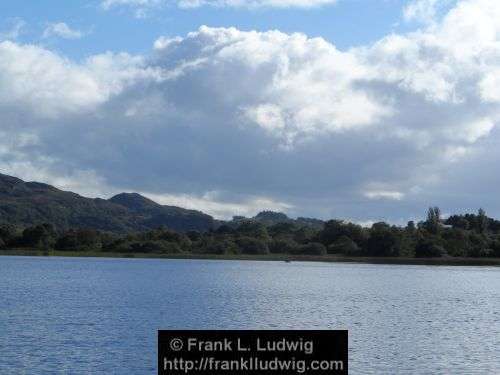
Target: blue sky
[345, 24]
[374, 111]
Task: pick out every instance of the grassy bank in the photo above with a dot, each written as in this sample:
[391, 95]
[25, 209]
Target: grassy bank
[445, 261]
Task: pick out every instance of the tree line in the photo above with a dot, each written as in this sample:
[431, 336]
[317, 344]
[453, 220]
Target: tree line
[469, 235]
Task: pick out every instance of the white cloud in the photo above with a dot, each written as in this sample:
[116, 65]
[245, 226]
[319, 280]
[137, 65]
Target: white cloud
[255, 3]
[296, 86]
[471, 132]
[421, 10]
[455, 153]
[212, 110]
[107, 4]
[62, 30]
[384, 194]
[490, 86]
[427, 12]
[210, 203]
[142, 7]
[268, 116]
[17, 160]
[50, 85]
[16, 27]
[33, 77]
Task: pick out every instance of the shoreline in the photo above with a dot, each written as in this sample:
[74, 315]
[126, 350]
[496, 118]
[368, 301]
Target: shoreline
[447, 261]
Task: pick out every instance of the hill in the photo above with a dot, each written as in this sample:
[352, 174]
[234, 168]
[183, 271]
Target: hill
[269, 218]
[29, 203]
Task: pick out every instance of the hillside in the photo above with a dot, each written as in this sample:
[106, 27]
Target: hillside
[269, 218]
[28, 203]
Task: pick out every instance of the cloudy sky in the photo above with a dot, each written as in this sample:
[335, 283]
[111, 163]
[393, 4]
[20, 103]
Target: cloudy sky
[357, 109]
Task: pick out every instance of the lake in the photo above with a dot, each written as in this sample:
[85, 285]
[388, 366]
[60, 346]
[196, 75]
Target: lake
[89, 315]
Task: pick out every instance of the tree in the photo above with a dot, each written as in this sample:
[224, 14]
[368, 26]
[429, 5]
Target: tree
[458, 221]
[255, 246]
[495, 247]
[194, 235]
[429, 248]
[79, 240]
[479, 246]
[253, 229]
[40, 236]
[305, 235]
[312, 248]
[456, 242]
[271, 217]
[222, 246]
[159, 246]
[344, 245]
[167, 235]
[283, 246]
[482, 221]
[384, 240]
[334, 229]
[433, 223]
[282, 230]
[7, 234]
[225, 229]
[410, 227]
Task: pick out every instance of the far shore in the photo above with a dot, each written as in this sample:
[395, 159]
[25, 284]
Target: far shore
[444, 261]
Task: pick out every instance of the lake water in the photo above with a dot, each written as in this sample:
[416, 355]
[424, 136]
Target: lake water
[81, 316]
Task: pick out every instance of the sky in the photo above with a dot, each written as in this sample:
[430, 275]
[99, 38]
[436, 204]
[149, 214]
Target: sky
[362, 110]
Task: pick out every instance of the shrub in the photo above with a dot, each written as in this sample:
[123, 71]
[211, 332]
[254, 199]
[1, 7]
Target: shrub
[120, 246]
[221, 247]
[344, 245]
[253, 229]
[305, 235]
[80, 240]
[495, 246]
[194, 235]
[7, 233]
[384, 240]
[335, 229]
[429, 249]
[456, 242]
[39, 237]
[480, 252]
[283, 246]
[159, 246]
[312, 248]
[479, 246]
[249, 245]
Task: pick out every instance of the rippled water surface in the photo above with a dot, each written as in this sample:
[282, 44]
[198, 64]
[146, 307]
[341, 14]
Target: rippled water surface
[62, 315]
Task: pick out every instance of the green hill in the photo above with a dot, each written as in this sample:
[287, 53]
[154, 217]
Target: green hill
[29, 203]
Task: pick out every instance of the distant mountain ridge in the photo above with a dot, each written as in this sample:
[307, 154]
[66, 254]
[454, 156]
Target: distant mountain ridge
[29, 203]
[271, 218]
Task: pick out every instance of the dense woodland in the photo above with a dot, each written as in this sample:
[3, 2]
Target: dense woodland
[470, 235]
